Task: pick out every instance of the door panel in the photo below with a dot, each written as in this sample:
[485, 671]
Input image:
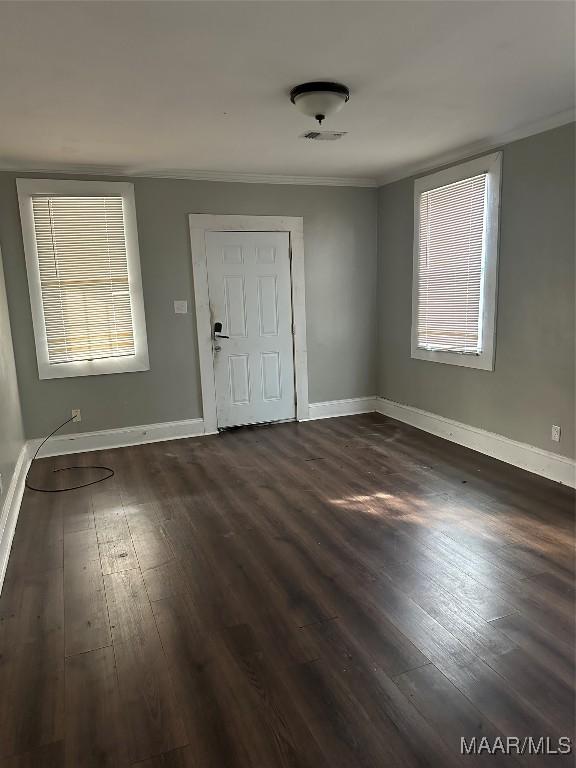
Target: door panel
[239, 379]
[271, 384]
[268, 305]
[250, 294]
[235, 306]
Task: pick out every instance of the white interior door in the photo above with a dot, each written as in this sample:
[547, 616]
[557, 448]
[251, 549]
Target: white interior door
[250, 294]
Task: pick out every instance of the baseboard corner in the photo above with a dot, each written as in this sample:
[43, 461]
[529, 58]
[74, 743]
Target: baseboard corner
[11, 508]
[122, 437]
[346, 407]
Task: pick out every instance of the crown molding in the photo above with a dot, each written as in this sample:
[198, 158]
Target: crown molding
[217, 176]
[479, 147]
[411, 169]
[265, 178]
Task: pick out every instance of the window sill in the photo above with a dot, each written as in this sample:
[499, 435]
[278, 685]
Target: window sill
[94, 368]
[484, 361]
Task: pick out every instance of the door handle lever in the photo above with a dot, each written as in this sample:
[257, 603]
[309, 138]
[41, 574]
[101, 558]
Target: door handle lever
[217, 334]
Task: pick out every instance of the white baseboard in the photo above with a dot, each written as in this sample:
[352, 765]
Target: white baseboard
[11, 508]
[541, 462]
[346, 407]
[80, 442]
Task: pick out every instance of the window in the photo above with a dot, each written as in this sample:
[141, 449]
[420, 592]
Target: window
[455, 264]
[83, 267]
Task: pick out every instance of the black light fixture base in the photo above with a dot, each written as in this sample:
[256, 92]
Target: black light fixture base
[319, 85]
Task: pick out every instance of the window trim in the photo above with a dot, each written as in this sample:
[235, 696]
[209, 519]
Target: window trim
[27, 188]
[492, 165]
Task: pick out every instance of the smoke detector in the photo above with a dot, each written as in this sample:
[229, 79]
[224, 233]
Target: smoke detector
[319, 99]
[323, 135]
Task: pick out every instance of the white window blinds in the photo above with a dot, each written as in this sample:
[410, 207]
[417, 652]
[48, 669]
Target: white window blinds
[450, 255]
[84, 283]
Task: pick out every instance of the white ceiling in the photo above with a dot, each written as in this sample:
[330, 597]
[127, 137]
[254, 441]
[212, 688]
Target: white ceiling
[171, 87]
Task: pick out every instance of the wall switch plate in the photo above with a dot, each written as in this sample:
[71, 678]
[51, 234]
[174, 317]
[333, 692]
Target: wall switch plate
[181, 307]
[76, 415]
[555, 433]
[1, 486]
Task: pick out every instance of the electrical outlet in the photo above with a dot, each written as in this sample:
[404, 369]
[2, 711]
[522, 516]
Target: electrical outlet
[76, 415]
[555, 433]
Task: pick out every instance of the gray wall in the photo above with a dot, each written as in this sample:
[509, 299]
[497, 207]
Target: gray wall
[532, 386]
[11, 431]
[340, 240]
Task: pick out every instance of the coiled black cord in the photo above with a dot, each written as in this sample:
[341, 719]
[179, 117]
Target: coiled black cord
[65, 469]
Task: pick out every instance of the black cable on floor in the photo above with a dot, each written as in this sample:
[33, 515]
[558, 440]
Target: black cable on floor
[65, 469]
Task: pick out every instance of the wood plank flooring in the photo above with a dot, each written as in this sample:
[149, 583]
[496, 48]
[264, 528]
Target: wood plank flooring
[345, 593]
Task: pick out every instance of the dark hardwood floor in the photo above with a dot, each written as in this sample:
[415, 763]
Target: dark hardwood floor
[347, 593]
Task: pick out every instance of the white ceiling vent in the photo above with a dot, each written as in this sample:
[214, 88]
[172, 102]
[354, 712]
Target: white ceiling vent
[323, 135]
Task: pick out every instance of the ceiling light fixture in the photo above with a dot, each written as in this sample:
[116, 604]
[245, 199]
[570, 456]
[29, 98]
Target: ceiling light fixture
[320, 99]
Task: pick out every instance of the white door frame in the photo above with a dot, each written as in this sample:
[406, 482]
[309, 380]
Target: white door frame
[200, 223]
